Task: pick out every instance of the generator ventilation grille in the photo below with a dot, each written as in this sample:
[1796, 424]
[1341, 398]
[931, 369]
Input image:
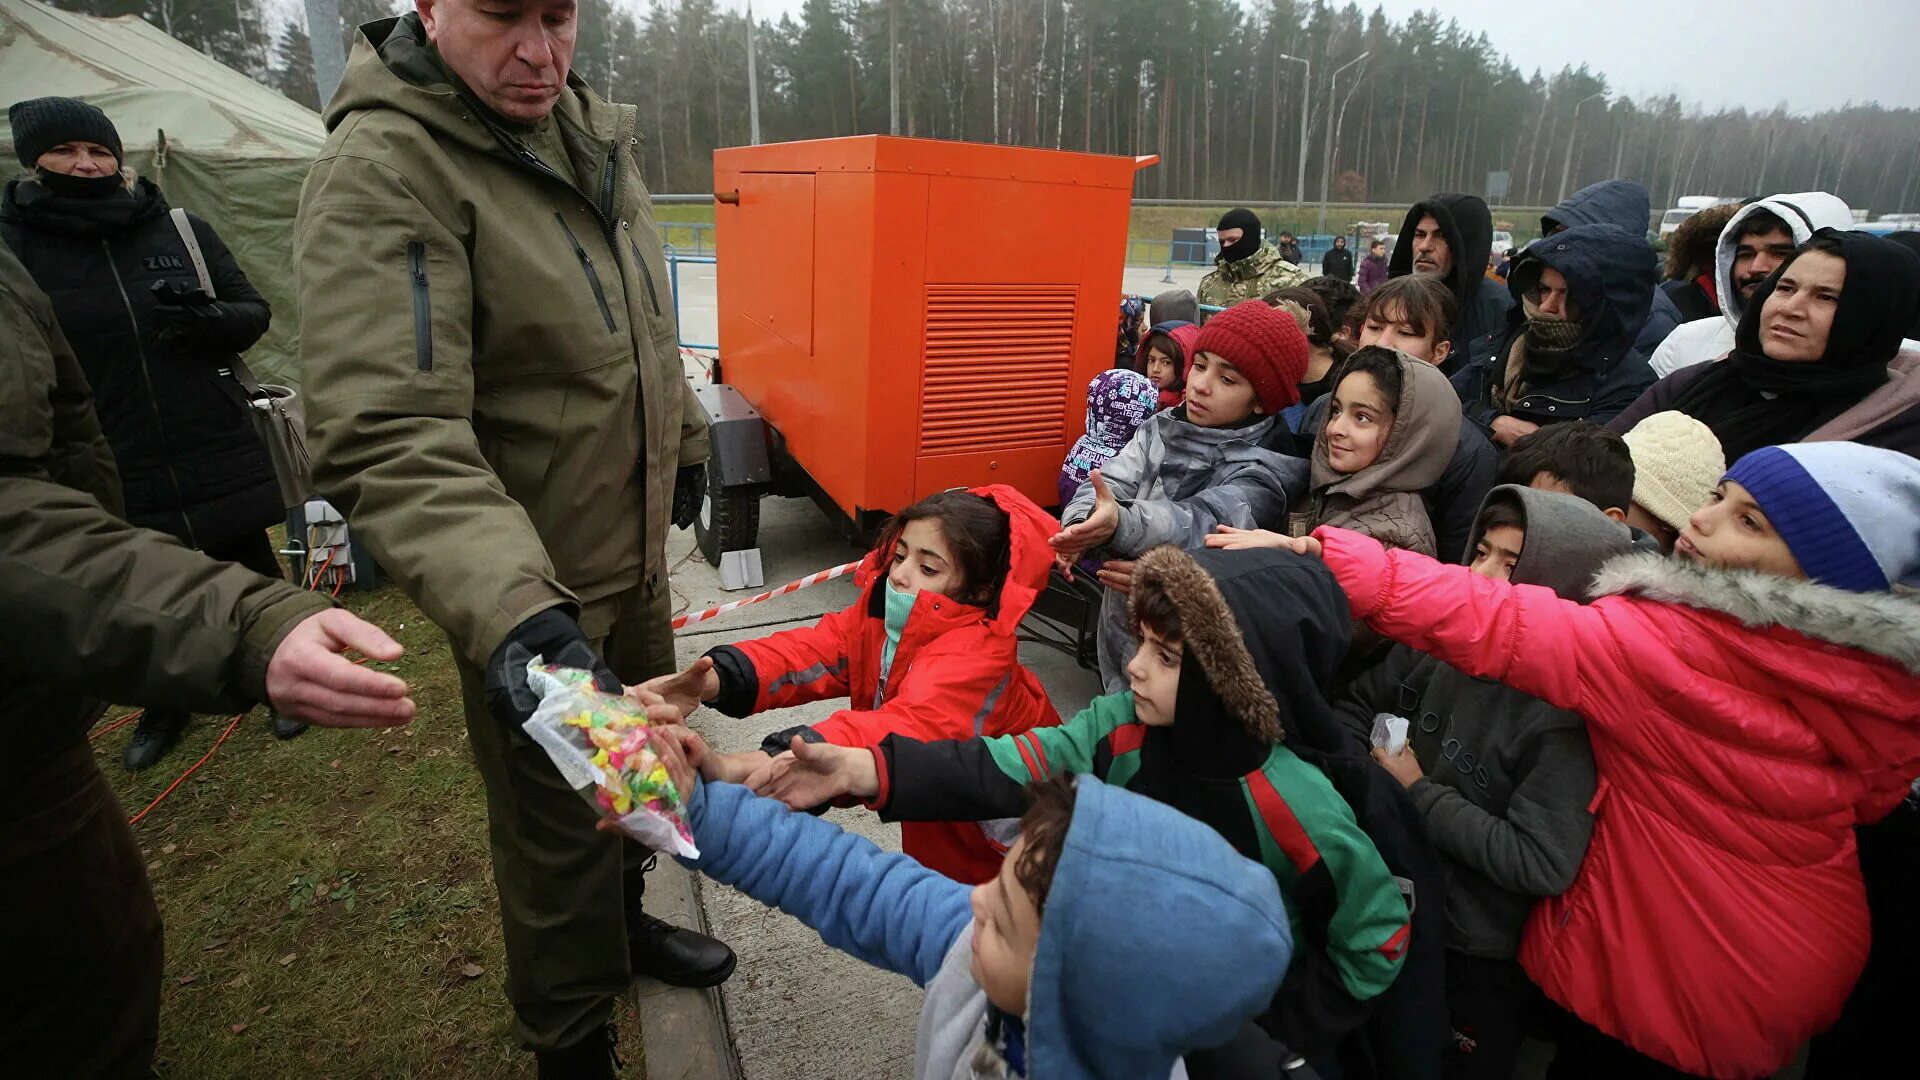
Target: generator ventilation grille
[997, 360]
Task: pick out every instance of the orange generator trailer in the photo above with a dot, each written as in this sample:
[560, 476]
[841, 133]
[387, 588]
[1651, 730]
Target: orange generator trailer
[905, 316]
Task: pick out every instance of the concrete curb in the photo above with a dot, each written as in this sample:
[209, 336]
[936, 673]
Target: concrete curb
[683, 1032]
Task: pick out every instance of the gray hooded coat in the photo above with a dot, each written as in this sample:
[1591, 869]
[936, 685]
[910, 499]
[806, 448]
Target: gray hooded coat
[1508, 777]
[1175, 482]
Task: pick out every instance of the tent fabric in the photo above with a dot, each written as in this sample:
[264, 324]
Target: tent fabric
[229, 149]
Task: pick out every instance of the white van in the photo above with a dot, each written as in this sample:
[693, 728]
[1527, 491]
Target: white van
[1686, 207]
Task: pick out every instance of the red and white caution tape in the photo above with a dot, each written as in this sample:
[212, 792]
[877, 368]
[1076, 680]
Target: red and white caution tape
[792, 586]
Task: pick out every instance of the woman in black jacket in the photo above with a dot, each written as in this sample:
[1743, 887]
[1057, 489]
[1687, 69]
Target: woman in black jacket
[157, 350]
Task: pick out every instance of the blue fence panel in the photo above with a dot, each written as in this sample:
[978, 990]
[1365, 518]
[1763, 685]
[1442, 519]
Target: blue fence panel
[674, 259]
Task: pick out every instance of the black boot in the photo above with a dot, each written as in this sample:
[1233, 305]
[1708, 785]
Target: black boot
[283, 728]
[153, 736]
[596, 1057]
[675, 955]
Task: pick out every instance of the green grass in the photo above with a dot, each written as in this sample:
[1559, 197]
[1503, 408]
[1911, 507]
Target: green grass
[329, 901]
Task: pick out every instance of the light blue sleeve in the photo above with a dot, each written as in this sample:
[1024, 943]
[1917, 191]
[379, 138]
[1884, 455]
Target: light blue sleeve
[881, 907]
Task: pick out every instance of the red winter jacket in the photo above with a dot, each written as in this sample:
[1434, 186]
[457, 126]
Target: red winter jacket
[956, 674]
[1742, 725]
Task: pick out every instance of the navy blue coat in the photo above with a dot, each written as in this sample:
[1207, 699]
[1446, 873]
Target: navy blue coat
[1610, 280]
[1623, 203]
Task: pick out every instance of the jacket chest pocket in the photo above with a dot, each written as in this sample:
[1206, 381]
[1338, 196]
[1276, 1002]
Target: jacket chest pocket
[589, 271]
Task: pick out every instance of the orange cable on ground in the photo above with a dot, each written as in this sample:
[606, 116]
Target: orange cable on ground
[191, 769]
[96, 734]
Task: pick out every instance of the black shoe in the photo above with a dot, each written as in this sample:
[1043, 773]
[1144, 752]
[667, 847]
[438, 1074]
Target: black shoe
[283, 728]
[596, 1057]
[153, 736]
[676, 955]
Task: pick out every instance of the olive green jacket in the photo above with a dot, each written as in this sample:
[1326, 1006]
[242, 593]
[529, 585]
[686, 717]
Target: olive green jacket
[92, 609]
[1251, 278]
[494, 390]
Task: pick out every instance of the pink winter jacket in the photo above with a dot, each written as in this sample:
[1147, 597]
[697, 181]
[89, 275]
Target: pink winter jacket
[1742, 725]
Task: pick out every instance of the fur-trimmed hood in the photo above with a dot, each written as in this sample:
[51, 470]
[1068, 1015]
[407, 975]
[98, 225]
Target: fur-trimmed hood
[1257, 624]
[1881, 624]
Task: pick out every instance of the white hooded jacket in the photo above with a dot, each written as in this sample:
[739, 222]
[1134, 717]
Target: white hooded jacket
[1702, 340]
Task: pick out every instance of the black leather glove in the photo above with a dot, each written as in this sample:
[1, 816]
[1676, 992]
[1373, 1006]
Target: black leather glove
[689, 490]
[184, 315]
[553, 636]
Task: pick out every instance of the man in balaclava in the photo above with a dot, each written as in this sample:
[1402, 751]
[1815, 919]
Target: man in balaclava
[1566, 352]
[1448, 235]
[1246, 269]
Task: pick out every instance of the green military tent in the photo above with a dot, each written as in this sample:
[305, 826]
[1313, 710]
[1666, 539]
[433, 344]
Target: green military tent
[218, 143]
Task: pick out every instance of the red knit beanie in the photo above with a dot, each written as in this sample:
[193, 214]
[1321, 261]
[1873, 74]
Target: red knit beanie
[1265, 344]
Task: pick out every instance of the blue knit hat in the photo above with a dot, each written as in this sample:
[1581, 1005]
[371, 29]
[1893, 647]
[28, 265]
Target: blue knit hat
[1849, 513]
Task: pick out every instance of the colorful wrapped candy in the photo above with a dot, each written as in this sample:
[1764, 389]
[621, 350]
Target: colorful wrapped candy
[603, 747]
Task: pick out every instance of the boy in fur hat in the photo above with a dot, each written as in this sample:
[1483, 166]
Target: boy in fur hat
[1201, 731]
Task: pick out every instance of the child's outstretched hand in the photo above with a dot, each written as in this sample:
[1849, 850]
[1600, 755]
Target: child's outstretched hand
[1229, 538]
[809, 774]
[684, 690]
[1098, 528]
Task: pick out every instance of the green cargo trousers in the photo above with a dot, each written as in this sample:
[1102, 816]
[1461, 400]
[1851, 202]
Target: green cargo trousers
[567, 891]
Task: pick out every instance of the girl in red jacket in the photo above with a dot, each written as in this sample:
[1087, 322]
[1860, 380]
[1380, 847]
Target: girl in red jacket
[1749, 703]
[929, 651]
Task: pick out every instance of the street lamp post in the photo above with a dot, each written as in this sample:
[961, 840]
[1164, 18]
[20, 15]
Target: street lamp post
[1306, 88]
[753, 84]
[1573, 130]
[1326, 164]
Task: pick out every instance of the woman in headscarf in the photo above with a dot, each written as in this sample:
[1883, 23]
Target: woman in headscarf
[1817, 355]
[157, 350]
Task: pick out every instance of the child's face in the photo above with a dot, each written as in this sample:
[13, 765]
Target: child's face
[1388, 327]
[1639, 518]
[1006, 931]
[922, 560]
[1498, 549]
[1358, 423]
[1161, 368]
[1154, 676]
[1217, 394]
[1732, 532]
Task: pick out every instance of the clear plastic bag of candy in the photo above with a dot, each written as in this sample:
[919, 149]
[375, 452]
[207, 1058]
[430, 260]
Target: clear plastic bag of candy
[603, 747]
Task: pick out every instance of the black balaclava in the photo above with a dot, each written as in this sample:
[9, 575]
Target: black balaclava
[1751, 400]
[1249, 222]
[83, 187]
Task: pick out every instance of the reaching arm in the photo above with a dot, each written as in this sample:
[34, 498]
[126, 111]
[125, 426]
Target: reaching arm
[1251, 494]
[792, 667]
[983, 779]
[881, 907]
[390, 390]
[952, 690]
[1522, 635]
[1124, 473]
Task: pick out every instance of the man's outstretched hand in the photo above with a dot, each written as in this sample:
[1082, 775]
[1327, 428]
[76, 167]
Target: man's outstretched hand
[812, 773]
[309, 680]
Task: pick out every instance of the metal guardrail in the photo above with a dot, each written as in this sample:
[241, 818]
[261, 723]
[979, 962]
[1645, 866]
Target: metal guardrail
[674, 259]
[682, 235]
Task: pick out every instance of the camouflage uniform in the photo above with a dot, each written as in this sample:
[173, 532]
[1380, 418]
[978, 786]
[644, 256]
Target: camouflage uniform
[1251, 278]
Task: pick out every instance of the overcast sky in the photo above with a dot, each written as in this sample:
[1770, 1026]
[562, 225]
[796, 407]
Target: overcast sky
[1744, 54]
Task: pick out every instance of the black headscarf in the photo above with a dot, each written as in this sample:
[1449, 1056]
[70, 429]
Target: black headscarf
[1249, 223]
[1751, 400]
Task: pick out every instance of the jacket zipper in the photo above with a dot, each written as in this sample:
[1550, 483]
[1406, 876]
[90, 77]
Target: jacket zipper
[166, 444]
[422, 305]
[645, 274]
[586, 265]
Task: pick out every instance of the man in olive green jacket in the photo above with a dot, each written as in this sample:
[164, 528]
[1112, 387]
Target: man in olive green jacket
[1247, 268]
[96, 610]
[496, 402]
